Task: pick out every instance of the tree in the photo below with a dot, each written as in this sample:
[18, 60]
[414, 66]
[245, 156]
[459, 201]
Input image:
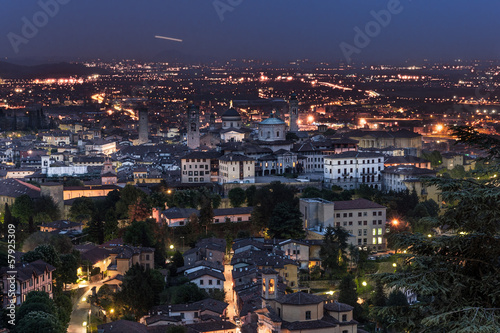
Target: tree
[64, 307]
[206, 213]
[128, 196]
[45, 206]
[236, 196]
[216, 201]
[95, 229]
[39, 321]
[61, 243]
[397, 298]
[455, 276]
[434, 157]
[68, 268]
[379, 298]
[185, 293]
[138, 211]
[43, 252]
[267, 198]
[333, 251]
[348, 291]
[8, 219]
[23, 208]
[82, 209]
[286, 222]
[250, 195]
[139, 233]
[141, 289]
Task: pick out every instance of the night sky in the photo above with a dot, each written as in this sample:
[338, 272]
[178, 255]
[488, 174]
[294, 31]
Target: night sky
[264, 29]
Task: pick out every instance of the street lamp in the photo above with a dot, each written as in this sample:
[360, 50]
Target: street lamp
[90, 314]
[171, 247]
[364, 283]
[394, 265]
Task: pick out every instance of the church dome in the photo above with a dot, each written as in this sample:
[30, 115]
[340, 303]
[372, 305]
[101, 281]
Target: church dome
[231, 115]
[272, 121]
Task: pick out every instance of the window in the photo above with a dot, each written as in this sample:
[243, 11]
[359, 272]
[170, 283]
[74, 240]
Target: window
[374, 213]
[350, 214]
[350, 222]
[345, 223]
[365, 231]
[201, 282]
[218, 282]
[359, 214]
[374, 222]
[380, 213]
[344, 317]
[210, 282]
[196, 314]
[365, 213]
[338, 215]
[365, 222]
[345, 215]
[359, 232]
[359, 222]
[182, 315]
[240, 219]
[147, 256]
[308, 315]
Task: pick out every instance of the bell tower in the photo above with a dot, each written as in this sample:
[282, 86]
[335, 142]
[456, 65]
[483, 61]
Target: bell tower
[269, 286]
[294, 113]
[193, 126]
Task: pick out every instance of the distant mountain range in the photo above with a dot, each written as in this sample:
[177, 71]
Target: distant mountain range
[57, 70]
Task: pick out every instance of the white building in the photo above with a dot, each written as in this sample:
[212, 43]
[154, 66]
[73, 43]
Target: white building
[403, 177]
[200, 167]
[351, 169]
[363, 219]
[236, 168]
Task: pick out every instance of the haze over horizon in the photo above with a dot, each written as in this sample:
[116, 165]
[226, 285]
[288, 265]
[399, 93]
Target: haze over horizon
[278, 30]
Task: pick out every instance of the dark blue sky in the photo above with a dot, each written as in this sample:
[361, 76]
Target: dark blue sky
[265, 29]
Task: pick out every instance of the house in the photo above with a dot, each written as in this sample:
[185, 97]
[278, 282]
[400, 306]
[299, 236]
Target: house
[14, 188]
[124, 257]
[34, 276]
[209, 249]
[236, 168]
[200, 167]
[207, 279]
[363, 219]
[121, 326]
[61, 226]
[402, 178]
[205, 310]
[175, 216]
[351, 169]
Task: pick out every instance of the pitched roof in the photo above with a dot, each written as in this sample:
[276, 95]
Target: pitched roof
[202, 155]
[121, 326]
[210, 327]
[299, 298]
[24, 271]
[235, 157]
[205, 271]
[208, 304]
[15, 188]
[61, 224]
[338, 307]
